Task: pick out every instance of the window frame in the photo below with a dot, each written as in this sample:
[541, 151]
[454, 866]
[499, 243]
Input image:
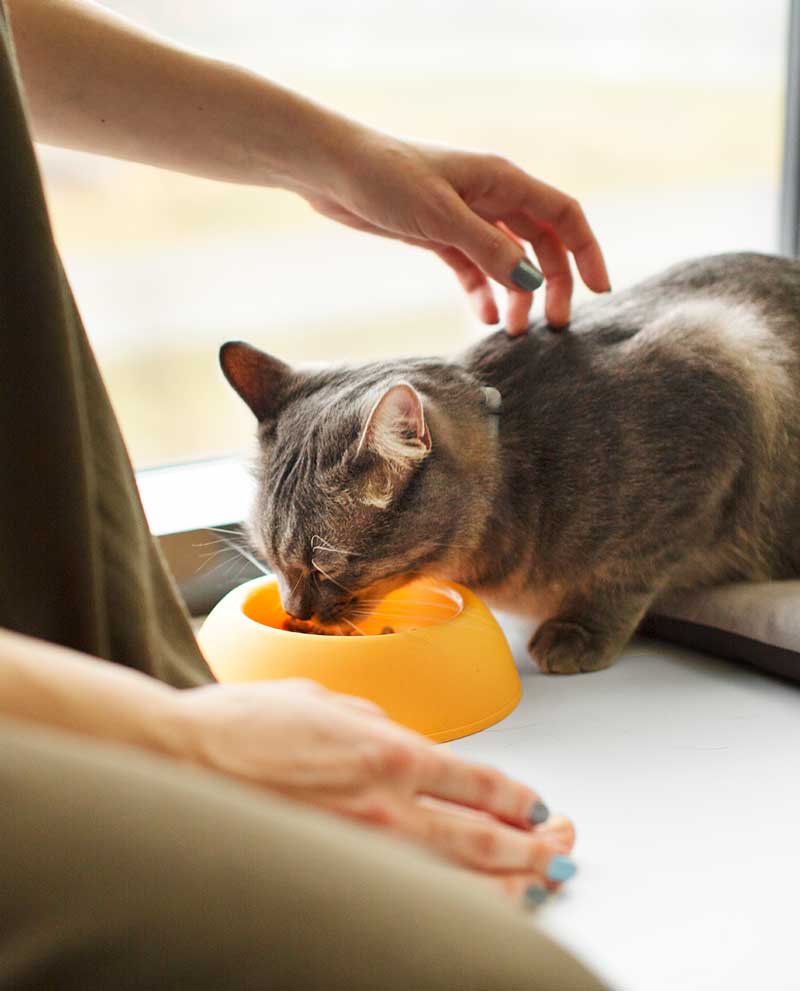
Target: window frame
[790, 183]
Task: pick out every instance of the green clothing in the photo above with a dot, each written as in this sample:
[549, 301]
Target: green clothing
[79, 565]
[125, 871]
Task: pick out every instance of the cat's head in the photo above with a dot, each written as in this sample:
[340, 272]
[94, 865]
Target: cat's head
[367, 475]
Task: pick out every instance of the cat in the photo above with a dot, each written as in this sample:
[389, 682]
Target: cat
[572, 476]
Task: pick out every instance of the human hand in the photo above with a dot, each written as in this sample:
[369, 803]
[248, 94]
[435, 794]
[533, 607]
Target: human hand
[342, 754]
[474, 211]
[96, 82]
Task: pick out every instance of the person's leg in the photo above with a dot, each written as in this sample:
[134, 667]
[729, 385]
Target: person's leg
[124, 871]
[78, 564]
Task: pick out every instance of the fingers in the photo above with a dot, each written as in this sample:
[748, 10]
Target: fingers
[551, 221]
[518, 312]
[519, 303]
[489, 248]
[486, 845]
[531, 889]
[555, 224]
[472, 280]
[564, 215]
[560, 831]
[572, 227]
[445, 776]
[554, 261]
[555, 264]
[361, 704]
[527, 890]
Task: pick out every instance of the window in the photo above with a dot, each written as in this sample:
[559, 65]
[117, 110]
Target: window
[790, 193]
[664, 118]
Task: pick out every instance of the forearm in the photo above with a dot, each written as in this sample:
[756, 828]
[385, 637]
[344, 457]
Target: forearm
[96, 82]
[50, 685]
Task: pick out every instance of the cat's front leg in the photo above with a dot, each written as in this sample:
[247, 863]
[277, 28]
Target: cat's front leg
[588, 633]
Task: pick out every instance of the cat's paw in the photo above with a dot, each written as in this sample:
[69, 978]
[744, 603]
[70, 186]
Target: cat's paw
[560, 647]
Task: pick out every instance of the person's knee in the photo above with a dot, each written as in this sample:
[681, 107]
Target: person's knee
[129, 872]
[119, 874]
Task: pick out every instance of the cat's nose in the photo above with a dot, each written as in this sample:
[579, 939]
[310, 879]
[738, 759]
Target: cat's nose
[297, 601]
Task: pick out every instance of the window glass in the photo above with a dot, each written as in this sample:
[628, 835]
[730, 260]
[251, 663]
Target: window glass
[664, 118]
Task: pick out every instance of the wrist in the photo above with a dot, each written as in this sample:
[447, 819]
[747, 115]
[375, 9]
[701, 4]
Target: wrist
[176, 731]
[289, 141]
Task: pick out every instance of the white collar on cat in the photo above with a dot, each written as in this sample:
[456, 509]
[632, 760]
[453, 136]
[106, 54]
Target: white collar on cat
[492, 398]
[494, 403]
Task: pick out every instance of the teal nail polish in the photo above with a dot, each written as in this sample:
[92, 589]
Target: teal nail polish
[535, 894]
[561, 868]
[539, 813]
[526, 275]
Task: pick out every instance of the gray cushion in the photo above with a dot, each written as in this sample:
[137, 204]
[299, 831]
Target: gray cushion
[754, 622]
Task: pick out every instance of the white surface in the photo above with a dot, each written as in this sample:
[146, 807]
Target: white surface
[682, 774]
[196, 494]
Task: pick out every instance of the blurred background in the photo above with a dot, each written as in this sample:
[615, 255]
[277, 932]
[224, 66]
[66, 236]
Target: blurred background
[663, 118]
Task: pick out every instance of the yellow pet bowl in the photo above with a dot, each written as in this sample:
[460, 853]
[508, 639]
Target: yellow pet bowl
[446, 670]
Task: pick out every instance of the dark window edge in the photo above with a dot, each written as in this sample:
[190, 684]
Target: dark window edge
[790, 184]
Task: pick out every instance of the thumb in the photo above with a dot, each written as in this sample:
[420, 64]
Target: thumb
[493, 251]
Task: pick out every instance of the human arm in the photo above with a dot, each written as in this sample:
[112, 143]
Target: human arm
[295, 738]
[97, 82]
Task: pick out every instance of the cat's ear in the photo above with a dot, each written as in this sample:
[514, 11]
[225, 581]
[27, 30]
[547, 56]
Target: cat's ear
[257, 377]
[395, 427]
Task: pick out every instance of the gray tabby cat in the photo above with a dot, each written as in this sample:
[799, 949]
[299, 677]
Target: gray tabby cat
[653, 445]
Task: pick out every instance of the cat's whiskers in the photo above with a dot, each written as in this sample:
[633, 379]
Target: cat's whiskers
[319, 543]
[294, 587]
[246, 555]
[325, 574]
[219, 546]
[209, 543]
[210, 556]
[356, 628]
[223, 563]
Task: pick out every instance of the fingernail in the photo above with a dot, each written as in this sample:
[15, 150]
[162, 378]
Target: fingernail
[526, 275]
[535, 894]
[539, 813]
[561, 868]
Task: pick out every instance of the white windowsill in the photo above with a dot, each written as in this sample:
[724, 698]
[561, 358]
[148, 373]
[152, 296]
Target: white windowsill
[195, 495]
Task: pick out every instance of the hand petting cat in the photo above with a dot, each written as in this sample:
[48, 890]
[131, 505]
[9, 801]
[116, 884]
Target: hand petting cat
[473, 210]
[97, 82]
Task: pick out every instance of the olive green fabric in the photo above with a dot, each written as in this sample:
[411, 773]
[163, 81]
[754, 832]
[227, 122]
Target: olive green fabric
[120, 870]
[134, 873]
[78, 565]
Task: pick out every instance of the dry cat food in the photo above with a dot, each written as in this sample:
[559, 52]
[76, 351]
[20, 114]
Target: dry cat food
[309, 626]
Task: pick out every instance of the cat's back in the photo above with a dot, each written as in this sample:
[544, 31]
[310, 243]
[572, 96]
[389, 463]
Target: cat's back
[671, 381]
[742, 308]
[764, 289]
[725, 322]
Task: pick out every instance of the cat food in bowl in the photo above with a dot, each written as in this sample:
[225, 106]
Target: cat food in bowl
[309, 626]
[431, 655]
